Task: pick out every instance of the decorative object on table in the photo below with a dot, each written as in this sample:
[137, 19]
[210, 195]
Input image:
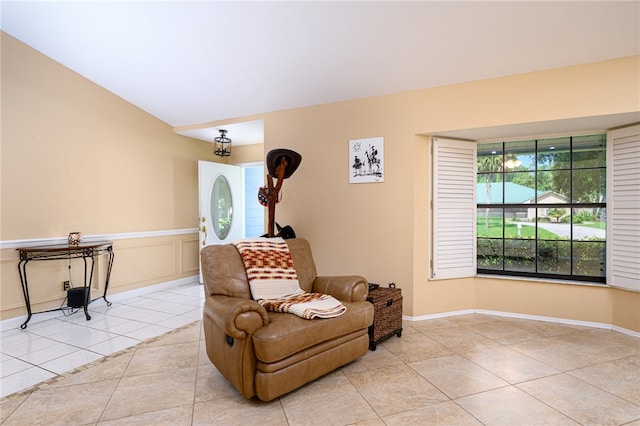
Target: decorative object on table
[387, 317]
[75, 238]
[222, 144]
[366, 160]
[281, 163]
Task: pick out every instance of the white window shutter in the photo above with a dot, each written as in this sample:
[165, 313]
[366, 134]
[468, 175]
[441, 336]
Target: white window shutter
[453, 252]
[623, 208]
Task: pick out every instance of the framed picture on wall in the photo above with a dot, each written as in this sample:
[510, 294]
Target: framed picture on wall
[366, 160]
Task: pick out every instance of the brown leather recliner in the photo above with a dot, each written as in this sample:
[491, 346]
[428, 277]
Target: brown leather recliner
[268, 354]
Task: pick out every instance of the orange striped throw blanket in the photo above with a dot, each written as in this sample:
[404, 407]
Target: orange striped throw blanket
[274, 283]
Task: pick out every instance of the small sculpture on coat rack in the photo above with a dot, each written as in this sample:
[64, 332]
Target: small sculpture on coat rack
[281, 163]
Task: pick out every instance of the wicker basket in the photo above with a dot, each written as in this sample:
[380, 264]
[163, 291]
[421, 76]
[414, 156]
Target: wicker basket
[387, 318]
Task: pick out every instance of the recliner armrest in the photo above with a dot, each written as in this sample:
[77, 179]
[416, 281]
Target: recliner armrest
[238, 317]
[348, 288]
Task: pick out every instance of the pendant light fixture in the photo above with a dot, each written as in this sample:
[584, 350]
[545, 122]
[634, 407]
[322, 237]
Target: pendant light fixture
[222, 144]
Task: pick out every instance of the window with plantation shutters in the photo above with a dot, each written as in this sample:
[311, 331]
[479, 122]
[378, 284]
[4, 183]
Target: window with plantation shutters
[623, 208]
[453, 209]
[542, 207]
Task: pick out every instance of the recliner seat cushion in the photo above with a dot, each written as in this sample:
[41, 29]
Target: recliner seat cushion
[288, 334]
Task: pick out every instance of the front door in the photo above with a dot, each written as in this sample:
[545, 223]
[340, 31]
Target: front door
[221, 203]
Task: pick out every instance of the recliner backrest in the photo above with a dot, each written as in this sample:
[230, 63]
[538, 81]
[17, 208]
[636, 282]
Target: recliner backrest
[303, 261]
[223, 271]
[224, 274]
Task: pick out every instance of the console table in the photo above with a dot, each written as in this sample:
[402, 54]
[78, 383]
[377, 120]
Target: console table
[84, 250]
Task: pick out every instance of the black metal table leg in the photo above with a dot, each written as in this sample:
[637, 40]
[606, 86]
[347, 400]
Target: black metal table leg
[22, 270]
[86, 293]
[106, 285]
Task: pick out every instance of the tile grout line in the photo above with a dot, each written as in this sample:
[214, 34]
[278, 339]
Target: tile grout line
[84, 367]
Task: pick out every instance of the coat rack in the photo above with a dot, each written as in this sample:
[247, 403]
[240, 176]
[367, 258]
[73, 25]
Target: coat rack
[281, 163]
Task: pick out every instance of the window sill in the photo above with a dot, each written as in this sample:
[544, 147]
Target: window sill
[544, 280]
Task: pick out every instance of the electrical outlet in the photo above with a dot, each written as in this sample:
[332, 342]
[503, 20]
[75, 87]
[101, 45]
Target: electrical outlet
[66, 285]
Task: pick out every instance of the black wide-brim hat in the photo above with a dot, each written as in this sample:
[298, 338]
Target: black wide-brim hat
[273, 160]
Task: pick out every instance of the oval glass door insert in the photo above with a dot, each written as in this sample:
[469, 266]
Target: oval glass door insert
[221, 207]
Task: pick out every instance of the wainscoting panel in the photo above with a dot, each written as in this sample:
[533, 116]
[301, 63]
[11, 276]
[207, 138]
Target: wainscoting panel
[190, 255]
[139, 261]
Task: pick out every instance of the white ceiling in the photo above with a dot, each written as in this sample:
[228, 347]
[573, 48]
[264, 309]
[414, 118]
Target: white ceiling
[189, 63]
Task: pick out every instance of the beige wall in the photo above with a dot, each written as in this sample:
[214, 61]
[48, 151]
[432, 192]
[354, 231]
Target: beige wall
[590, 303]
[75, 157]
[144, 177]
[247, 154]
[381, 230]
[626, 309]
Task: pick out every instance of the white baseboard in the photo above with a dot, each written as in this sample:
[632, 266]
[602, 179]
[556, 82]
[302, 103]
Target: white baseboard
[626, 331]
[152, 288]
[544, 318]
[43, 316]
[527, 317]
[440, 315]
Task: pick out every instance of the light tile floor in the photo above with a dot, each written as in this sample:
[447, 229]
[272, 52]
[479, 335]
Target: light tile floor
[460, 370]
[54, 343]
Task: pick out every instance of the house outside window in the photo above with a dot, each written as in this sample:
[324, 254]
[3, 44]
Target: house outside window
[541, 208]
